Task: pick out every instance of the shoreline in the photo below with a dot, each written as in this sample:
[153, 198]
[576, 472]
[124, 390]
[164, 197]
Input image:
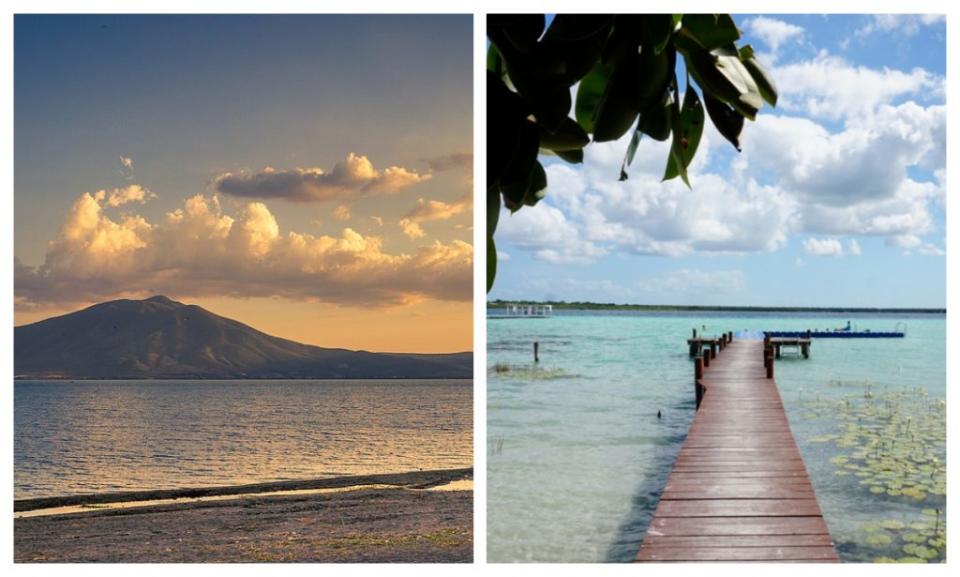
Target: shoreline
[421, 516]
[590, 306]
[409, 479]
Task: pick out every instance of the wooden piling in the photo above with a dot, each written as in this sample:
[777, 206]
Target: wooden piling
[536, 351]
[698, 368]
[706, 358]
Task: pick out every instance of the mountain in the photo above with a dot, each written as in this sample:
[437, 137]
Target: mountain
[159, 338]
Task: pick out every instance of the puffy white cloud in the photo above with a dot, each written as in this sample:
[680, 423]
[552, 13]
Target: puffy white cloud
[773, 33]
[830, 247]
[902, 24]
[546, 231]
[823, 247]
[350, 178]
[198, 250]
[832, 88]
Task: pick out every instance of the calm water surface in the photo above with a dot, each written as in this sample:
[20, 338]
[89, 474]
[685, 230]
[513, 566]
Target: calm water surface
[577, 456]
[86, 437]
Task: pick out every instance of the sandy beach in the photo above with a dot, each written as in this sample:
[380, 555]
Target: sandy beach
[411, 517]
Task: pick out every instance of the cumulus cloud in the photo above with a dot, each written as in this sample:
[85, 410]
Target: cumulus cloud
[830, 247]
[901, 24]
[858, 151]
[350, 178]
[832, 88]
[127, 194]
[342, 212]
[427, 210]
[773, 32]
[199, 250]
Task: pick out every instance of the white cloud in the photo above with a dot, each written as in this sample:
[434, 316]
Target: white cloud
[830, 247]
[198, 250]
[546, 231]
[823, 247]
[349, 179]
[773, 33]
[901, 24]
[832, 88]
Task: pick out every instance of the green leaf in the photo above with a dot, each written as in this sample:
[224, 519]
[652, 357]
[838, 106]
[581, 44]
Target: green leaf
[655, 121]
[568, 136]
[515, 32]
[749, 100]
[728, 121]
[590, 93]
[491, 262]
[676, 147]
[575, 42]
[493, 215]
[711, 30]
[494, 62]
[768, 90]
[657, 30]
[538, 185]
[631, 152]
[691, 129]
[618, 108]
[571, 156]
[515, 180]
[506, 116]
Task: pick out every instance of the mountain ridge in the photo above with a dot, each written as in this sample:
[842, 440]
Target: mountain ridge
[160, 338]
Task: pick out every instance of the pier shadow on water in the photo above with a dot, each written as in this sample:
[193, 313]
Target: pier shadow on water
[675, 425]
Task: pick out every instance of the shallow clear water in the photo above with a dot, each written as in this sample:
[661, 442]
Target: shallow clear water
[577, 456]
[87, 437]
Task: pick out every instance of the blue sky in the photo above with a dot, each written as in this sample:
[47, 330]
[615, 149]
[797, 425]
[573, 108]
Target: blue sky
[836, 200]
[307, 174]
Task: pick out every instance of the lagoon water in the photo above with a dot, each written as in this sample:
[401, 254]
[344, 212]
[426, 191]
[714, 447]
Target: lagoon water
[97, 436]
[577, 456]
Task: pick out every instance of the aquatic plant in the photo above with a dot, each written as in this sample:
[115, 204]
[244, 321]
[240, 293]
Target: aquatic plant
[891, 444]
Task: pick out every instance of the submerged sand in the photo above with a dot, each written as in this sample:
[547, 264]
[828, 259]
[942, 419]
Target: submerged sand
[398, 521]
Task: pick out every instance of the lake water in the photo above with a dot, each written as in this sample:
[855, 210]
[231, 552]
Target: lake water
[88, 437]
[577, 456]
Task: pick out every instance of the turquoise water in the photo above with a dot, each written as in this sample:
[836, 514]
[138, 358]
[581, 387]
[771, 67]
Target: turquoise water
[577, 456]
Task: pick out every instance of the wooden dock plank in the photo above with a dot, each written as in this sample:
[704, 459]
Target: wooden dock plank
[739, 490]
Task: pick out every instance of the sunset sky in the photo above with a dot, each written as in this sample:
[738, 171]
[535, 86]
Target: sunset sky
[307, 175]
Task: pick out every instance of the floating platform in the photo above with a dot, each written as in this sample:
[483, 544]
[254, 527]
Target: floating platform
[837, 334]
[739, 490]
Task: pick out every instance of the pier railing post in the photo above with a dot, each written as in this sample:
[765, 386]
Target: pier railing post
[705, 358]
[698, 389]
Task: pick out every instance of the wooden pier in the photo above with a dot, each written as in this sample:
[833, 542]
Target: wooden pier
[739, 490]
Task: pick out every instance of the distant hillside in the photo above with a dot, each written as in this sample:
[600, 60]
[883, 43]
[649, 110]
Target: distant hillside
[159, 338]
